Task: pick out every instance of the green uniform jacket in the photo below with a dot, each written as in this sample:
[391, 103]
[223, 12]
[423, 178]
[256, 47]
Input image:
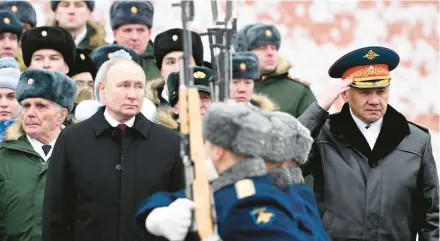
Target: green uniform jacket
[290, 95]
[148, 63]
[22, 182]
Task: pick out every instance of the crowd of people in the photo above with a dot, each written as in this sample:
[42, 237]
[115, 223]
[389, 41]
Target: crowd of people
[90, 147]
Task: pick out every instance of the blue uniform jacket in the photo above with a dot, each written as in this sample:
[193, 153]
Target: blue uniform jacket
[249, 209]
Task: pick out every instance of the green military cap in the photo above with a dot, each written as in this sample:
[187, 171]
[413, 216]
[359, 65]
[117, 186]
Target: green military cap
[202, 77]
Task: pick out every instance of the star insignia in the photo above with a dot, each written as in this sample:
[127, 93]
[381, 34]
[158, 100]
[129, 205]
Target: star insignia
[109, 55]
[243, 66]
[44, 33]
[14, 9]
[82, 56]
[7, 20]
[175, 37]
[134, 9]
[268, 33]
[30, 81]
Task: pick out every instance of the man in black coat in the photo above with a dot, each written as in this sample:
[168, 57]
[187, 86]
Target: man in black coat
[103, 167]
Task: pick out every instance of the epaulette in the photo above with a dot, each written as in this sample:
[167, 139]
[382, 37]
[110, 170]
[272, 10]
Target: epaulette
[244, 188]
[424, 129]
[299, 80]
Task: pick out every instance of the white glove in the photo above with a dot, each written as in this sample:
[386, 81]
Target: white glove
[171, 222]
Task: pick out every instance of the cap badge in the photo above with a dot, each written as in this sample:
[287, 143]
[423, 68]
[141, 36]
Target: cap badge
[199, 75]
[109, 55]
[14, 9]
[30, 81]
[44, 33]
[6, 20]
[371, 68]
[175, 37]
[371, 55]
[268, 33]
[134, 10]
[243, 66]
[82, 56]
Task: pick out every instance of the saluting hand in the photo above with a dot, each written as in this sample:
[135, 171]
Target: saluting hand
[326, 100]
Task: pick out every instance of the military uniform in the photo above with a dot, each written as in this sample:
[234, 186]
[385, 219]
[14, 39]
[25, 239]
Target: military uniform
[136, 12]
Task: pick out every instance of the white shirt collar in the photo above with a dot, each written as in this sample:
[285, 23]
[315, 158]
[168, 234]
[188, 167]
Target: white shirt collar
[164, 95]
[80, 37]
[371, 133]
[115, 123]
[38, 147]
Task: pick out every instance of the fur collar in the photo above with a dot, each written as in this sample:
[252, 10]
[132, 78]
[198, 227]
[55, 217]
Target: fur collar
[283, 177]
[247, 168]
[165, 117]
[14, 131]
[264, 102]
[153, 90]
[98, 36]
[394, 129]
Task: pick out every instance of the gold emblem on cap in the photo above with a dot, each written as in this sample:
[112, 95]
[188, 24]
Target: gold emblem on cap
[371, 68]
[109, 55]
[134, 9]
[371, 55]
[175, 37]
[199, 75]
[268, 33]
[30, 81]
[243, 66]
[14, 9]
[7, 20]
[44, 33]
[82, 56]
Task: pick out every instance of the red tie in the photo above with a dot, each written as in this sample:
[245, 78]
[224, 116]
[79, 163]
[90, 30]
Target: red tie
[122, 127]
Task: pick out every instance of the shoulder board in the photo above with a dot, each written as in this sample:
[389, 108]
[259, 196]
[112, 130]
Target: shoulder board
[424, 129]
[298, 80]
[244, 188]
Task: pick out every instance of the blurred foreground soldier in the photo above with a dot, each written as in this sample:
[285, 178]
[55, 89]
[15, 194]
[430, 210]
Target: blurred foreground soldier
[264, 40]
[248, 206]
[131, 22]
[168, 49]
[23, 10]
[169, 116]
[46, 98]
[9, 107]
[289, 148]
[10, 32]
[50, 48]
[119, 157]
[76, 17]
[374, 171]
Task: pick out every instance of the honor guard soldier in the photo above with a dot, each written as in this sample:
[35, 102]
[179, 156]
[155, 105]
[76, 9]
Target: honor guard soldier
[76, 17]
[168, 48]
[23, 10]
[131, 22]
[10, 32]
[169, 116]
[248, 207]
[274, 81]
[50, 48]
[374, 171]
[83, 73]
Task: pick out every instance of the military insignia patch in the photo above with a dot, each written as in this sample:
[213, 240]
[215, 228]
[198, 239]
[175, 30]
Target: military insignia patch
[30, 81]
[268, 33]
[262, 217]
[7, 20]
[134, 10]
[82, 56]
[371, 55]
[175, 37]
[243, 66]
[43, 33]
[199, 75]
[14, 9]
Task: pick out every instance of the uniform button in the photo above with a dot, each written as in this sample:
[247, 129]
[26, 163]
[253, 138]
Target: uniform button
[118, 167]
[113, 132]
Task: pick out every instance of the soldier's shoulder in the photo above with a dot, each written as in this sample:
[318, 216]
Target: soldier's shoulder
[419, 127]
[299, 80]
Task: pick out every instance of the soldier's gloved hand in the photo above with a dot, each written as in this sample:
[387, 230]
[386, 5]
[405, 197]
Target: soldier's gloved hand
[171, 222]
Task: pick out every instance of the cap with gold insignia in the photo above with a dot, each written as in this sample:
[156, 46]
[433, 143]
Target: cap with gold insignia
[9, 23]
[369, 67]
[52, 85]
[90, 5]
[245, 66]
[172, 40]
[23, 10]
[83, 64]
[56, 38]
[131, 12]
[253, 36]
[202, 77]
[103, 53]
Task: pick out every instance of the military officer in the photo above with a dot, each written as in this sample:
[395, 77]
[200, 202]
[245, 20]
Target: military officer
[169, 116]
[168, 48]
[83, 73]
[131, 22]
[23, 10]
[248, 206]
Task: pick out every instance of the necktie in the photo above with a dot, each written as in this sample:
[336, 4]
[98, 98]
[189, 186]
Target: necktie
[122, 127]
[46, 149]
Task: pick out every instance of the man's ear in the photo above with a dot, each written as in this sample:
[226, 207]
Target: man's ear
[63, 115]
[66, 68]
[176, 109]
[345, 96]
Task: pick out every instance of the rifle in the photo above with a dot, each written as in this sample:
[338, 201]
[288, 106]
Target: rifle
[196, 180]
[220, 43]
